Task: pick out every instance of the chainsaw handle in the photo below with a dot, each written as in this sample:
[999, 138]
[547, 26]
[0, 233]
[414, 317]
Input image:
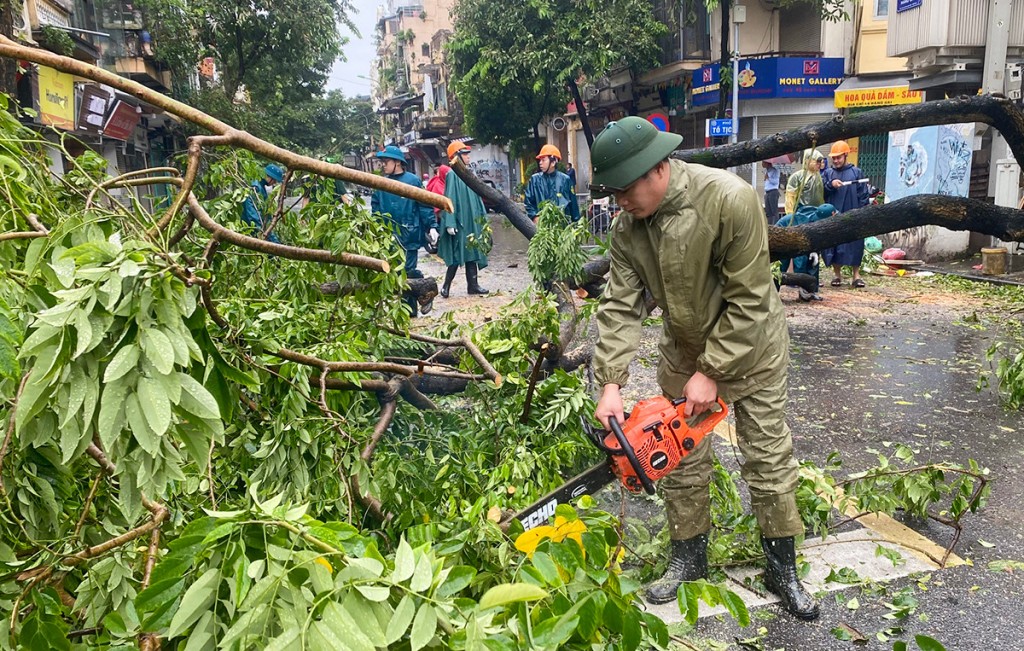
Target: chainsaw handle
[703, 428]
[627, 450]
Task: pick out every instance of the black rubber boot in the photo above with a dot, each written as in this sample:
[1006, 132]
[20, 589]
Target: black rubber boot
[689, 562]
[780, 578]
[471, 285]
[449, 276]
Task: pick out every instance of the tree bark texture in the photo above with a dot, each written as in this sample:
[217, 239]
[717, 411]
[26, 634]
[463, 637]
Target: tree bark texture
[8, 67]
[581, 111]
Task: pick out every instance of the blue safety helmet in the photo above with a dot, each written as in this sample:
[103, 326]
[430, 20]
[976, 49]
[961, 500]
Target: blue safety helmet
[392, 152]
[274, 172]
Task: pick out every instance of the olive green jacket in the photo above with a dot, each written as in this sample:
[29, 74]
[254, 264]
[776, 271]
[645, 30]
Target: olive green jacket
[704, 257]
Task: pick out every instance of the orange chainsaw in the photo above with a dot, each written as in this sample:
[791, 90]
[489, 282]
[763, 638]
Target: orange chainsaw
[645, 448]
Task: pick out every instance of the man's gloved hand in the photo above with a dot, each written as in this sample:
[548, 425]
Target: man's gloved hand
[451, 230]
[813, 259]
[432, 237]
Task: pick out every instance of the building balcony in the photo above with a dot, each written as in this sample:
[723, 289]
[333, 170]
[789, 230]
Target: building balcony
[145, 71]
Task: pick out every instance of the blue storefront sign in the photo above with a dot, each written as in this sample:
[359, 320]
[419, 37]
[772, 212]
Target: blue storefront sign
[773, 78]
[904, 5]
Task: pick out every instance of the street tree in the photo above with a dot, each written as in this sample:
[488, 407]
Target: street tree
[530, 55]
[204, 448]
[272, 59]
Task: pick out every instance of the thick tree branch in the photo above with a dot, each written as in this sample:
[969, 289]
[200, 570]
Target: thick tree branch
[282, 250]
[998, 112]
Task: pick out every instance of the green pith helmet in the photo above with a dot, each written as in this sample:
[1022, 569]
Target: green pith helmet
[625, 151]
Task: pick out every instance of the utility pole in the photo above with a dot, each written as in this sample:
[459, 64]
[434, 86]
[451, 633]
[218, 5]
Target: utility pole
[739, 16]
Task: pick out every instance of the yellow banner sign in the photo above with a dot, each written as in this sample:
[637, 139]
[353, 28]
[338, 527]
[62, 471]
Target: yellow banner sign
[56, 98]
[887, 96]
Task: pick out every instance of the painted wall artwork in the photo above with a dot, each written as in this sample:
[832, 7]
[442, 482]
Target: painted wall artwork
[929, 160]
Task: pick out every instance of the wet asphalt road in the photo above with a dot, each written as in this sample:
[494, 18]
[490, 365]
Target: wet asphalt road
[898, 362]
[862, 383]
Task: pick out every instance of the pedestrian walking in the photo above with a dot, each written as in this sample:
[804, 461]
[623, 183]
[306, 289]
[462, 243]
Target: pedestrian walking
[771, 192]
[570, 171]
[695, 238]
[412, 221]
[551, 185]
[461, 242]
[252, 213]
[847, 189]
[805, 187]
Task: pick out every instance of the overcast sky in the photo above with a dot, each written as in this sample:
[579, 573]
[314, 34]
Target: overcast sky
[347, 76]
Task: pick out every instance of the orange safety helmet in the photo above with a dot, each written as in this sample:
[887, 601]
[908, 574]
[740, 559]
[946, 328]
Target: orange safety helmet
[839, 148]
[456, 147]
[549, 150]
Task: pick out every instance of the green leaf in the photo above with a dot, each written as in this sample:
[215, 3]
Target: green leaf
[158, 349]
[83, 330]
[159, 594]
[287, 640]
[400, 621]
[374, 592]
[196, 400]
[202, 635]
[423, 627]
[556, 631]
[423, 575]
[199, 597]
[251, 622]
[367, 617]
[341, 623]
[147, 439]
[459, 577]
[405, 562]
[928, 644]
[508, 593]
[734, 604]
[155, 405]
[125, 360]
[33, 398]
[688, 602]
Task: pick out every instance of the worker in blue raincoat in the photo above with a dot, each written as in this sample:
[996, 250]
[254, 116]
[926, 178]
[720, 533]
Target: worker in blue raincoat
[413, 221]
[551, 185]
[260, 191]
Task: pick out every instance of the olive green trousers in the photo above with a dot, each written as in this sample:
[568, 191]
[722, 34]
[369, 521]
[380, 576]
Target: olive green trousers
[768, 467]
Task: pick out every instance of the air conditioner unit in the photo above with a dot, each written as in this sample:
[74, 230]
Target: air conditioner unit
[590, 92]
[21, 21]
[558, 124]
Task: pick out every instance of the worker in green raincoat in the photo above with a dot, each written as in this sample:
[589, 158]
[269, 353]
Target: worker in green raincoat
[462, 230]
[696, 239]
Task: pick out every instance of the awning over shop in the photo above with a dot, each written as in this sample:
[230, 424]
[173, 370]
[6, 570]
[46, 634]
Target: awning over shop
[876, 90]
[948, 78]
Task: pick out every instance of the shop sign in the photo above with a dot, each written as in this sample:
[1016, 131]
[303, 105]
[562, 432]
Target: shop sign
[885, 96]
[56, 98]
[93, 109]
[773, 78]
[122, 121]
[906, 5]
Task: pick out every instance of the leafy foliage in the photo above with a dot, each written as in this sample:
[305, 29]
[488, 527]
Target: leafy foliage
[280, 53]
[511, 61]
[556, 251]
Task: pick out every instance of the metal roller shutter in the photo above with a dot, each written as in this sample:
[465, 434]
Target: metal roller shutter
[800, 28]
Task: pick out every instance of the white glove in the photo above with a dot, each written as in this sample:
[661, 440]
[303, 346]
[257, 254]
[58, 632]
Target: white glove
[432, 236]
[813, 259]
[451, 231]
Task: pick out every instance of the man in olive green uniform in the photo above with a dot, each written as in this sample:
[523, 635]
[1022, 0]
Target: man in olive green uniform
[696, 238]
